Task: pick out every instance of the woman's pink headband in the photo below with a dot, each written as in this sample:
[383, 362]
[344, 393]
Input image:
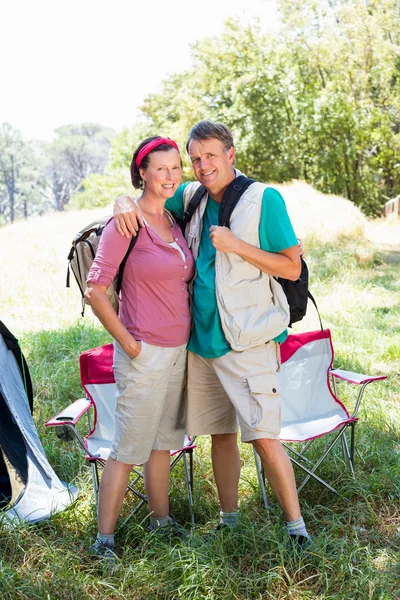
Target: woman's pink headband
[151, 145]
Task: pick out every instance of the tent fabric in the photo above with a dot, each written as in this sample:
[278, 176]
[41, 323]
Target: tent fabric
[12, 344]
[37, 492]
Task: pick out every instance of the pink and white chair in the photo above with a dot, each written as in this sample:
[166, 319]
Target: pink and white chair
[311, 407]
[99, 405]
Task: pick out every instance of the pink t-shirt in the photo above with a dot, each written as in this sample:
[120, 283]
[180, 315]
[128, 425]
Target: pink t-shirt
[154, 303]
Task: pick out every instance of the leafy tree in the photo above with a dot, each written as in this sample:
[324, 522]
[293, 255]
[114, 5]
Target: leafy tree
[77, 152]
[22, 184]
[319, 100]
[100, 189]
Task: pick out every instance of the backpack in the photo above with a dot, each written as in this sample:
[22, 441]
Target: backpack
[81, 256]
[296, 292]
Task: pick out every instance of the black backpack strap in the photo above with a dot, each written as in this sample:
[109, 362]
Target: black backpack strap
[316, 308]
[123, 263]
[231, 197]
[309, 294]
[191, 207]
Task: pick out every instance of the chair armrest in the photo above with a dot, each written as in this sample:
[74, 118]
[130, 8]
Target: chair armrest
[71, 414]
[357, 378]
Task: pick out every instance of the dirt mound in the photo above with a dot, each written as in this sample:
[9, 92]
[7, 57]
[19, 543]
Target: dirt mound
[321, 215]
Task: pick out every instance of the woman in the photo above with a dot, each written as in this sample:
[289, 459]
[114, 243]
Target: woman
[150, 333]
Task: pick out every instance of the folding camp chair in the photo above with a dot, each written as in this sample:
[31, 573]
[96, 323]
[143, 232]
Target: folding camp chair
[310, 405]
[98, 381]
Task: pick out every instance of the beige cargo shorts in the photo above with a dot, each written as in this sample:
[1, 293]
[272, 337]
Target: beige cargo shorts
[150, 413]
[239, 388]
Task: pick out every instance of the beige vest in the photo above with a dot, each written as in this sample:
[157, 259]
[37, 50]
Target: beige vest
[251, 304]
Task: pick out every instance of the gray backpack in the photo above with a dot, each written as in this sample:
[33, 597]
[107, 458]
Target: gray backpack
[81, 256]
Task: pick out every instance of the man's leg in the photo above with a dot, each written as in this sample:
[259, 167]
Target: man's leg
[210, 412]
[279, 472]
[226, 466]
[251, 382]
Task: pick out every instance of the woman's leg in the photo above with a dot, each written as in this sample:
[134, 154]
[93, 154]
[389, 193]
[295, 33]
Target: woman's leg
[170, 433]
[156, 481]
[111, 494]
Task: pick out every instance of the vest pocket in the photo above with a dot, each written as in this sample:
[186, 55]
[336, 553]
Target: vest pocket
[247, 293]
[265, 403]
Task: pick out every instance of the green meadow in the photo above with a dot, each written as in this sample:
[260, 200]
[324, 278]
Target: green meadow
[356, 534]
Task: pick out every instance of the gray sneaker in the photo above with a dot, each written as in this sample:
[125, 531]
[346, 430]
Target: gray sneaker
[105, 553]
[169, 531]
[300, 542]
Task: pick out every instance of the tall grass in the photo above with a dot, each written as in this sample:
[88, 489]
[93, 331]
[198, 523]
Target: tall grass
[356, 533]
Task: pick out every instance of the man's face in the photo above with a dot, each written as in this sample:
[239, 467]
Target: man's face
[212, 164]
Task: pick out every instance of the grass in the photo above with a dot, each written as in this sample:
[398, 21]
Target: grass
[356, 533]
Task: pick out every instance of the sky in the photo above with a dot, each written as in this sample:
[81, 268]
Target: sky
[96, 60]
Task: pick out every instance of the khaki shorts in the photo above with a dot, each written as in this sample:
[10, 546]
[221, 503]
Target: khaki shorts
[239, 388]
[150, 411]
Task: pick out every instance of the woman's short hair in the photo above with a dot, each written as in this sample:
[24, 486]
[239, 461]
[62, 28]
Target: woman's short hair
[136, 179]
[206, 130]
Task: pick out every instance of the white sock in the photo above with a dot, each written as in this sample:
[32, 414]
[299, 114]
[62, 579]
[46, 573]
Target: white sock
[160, 521]
[228, 518]
[297, 527]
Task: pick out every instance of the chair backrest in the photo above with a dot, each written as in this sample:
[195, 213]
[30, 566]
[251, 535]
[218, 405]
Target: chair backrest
[309, 406]
[97, 377]
[98, 381]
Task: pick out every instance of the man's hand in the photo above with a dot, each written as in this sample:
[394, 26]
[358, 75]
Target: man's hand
[127, 216]
[223, 239]
[301, 248]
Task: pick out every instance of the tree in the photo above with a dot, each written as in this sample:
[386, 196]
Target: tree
[319, 100]
[22, 184]
[100, 189]
[77, 152]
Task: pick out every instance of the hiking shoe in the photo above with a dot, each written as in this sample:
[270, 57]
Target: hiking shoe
[223, 527]
[106, 554]
[300, 542]
[172, 530]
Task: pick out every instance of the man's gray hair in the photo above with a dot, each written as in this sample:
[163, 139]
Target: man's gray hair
[206, 130]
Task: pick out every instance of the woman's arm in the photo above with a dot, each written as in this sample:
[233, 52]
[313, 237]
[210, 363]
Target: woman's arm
[96, 295]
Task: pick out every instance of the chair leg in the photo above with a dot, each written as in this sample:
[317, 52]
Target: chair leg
[95, 479]
[305, 448]
[191, 470]
[347, 455]
[299, 455]
[261, 478]
[311, 474]
[352, 443]
[189, 481]
[315, 467]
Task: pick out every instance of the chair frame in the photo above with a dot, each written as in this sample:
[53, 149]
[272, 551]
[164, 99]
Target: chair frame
[68, 420]
[300, 459]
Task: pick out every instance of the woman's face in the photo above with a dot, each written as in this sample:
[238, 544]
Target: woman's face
[163, 173]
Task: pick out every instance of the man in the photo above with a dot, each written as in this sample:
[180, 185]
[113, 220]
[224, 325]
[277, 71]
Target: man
[240, 316]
